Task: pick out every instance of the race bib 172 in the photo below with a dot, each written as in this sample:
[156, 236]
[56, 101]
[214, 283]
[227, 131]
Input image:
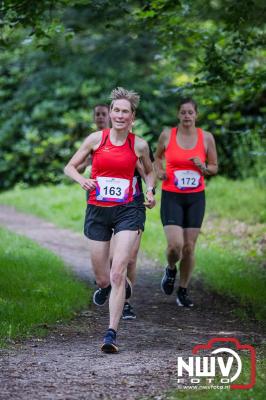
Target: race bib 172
[186, 179]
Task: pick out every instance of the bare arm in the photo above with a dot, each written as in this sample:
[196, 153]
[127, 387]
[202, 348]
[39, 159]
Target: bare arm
[82, 167]
[212, 163]
[71, 169]
[142, 150]
[140, 170]
[159, 169]
[212, 160]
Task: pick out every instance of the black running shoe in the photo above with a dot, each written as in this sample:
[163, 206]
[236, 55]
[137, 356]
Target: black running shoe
[168, 281]
[101, 295]
[129, 288]
[182, 299]
[128, 312]
[109, 342]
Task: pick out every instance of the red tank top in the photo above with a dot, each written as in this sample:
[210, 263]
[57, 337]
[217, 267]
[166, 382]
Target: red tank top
[113, 167]
[182, 175]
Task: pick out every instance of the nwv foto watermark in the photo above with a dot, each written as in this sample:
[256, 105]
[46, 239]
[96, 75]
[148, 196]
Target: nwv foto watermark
[224, 365]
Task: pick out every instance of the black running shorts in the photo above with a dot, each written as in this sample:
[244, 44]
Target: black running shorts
[138, 201]
[102, 222]
[182, 209]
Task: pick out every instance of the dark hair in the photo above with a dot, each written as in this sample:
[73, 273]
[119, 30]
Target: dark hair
[188, 100]
[101, 105]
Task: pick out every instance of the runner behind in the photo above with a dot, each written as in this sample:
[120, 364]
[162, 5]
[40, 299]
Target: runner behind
[190, 155]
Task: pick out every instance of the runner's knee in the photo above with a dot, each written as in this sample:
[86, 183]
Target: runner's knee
[102, 281]
[174, 249]
[188, 249]
[117, 278]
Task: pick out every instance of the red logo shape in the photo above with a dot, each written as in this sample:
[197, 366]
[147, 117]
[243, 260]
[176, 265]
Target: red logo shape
[239, 346]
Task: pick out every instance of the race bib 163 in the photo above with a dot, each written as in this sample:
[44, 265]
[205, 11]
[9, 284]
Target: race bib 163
[112, 189]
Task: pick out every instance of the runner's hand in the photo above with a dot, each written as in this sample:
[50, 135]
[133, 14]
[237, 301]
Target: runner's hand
[162, 175]
[198, 163]
[150, 200]
[88, 184]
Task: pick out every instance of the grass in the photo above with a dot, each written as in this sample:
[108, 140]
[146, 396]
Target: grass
[40, 291]
[227, 269]
[241, 200]
[227, 273]
[227, 261]
[63, 204]
[225, 199]
[36, 288]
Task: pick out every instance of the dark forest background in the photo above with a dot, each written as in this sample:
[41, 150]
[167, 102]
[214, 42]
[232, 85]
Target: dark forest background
[60, 58]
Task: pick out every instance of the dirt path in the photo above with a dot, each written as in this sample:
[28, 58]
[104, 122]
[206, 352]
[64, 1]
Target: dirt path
[68, 365]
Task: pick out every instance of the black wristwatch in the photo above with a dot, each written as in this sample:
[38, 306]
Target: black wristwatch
[151, 189]
[205, 170]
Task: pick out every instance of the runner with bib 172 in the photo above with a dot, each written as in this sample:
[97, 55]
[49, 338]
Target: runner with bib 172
[190, 155]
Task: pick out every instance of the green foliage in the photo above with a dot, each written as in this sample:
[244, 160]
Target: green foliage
[58, 61]
[48, 100]
[35, 288]
[235, 271]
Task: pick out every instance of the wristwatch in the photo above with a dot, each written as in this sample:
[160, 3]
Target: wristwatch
[205, 170]
[151, 189]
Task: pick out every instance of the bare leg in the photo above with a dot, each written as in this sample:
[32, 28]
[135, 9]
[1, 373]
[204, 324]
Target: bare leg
[188, 259]
[175, 241]
[128, 313]
[111, 251]
[131, 268]
[123, 242]
[99, 252]
[132, 264]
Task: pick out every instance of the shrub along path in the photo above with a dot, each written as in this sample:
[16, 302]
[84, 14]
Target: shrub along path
[67, 364]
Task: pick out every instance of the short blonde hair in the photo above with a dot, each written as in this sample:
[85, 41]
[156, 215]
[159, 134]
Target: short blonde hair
[120, 93]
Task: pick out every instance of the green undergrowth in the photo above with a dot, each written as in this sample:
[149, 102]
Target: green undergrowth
[65, 204]
[224, 267]
[36, 289]
[229, 251]
[239, 200]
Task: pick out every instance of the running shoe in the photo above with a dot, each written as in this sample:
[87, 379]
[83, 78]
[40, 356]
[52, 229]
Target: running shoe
[101, 295]
[109, 342]
[129, 288]
[168, 281]
[182, 298]
[128, 312]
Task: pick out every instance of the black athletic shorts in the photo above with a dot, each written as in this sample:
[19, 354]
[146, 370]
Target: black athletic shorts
[182, 209]
[139, 200]
[102, 222]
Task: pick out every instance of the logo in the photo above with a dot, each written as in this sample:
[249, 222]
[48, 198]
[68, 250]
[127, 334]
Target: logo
[223, 363]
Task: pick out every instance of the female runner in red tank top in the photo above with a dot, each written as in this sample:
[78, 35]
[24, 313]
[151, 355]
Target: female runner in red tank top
[111, 209]
[190, 154]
